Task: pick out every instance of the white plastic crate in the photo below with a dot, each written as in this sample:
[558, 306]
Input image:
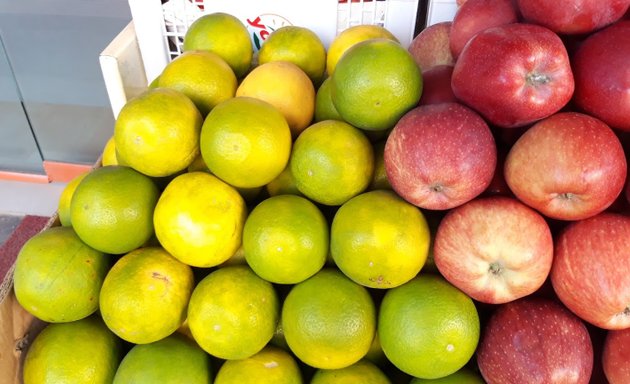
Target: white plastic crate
[160, 27]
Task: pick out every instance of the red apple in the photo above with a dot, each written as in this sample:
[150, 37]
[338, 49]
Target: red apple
[535, 340]
[436, 85]
[476, 15]
[495, 249]
[591, 269]
[602, 75]
[514, 74]
[430, 47]
[616, 356]
[440, 156]
[573, 16]
[569, 166]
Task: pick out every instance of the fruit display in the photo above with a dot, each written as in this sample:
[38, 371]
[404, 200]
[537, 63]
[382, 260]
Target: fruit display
[453, 211]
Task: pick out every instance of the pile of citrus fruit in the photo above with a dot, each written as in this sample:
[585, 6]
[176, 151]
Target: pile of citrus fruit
[241, 228]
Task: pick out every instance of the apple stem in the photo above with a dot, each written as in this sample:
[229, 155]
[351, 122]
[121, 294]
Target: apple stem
[537, 78]
[437, 188]
[565, 196]
[496, 268]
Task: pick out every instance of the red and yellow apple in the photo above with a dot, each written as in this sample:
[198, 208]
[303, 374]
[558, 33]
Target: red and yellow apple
[495, 249]
[569, 166]
[591, 269]
[440, 156]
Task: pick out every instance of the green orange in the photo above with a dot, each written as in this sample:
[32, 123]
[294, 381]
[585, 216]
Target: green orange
[202, 76]
[78, 352]
[328, 320]
[428, 328]
[363, 371]
[233, 313]
[112, 209]
[375, 83]
[225, 35]
[171, 360]
[157, 132]
[298, 45]
[350, 37]
[145, 295]
[57, 277]
[379, 240]
[65, 199]
[324, 107]
[199, 219]
[285, 239]
[331, 162]
[271, 365]
[246, 142]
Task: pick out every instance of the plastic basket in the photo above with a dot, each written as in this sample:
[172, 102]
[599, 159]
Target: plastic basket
[161, 26]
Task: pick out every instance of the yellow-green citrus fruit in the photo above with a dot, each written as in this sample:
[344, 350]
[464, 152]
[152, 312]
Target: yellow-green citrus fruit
[157, 132]
[363, 371]
[379, 179]
[329, 321]
[57, 277]
[375, 83]
[283, 184]
[272, 365]
[109, 153]
[65, 199]
[145, 295]
[379, 240]
[225, 35]
[77, 352]
[112, 209]
[246, 142]
[324, 107]
[233, 313]
[199, 219]
[298, 45]
[332, 162]
[202, 76]
[428, 328]
[285, 239]
[350, 37]
[172, 360]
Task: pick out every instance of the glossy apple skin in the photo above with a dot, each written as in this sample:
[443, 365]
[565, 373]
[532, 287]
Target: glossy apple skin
[602, 75]
[440, 156]
[436, 85]
[569, 166]
[431, 46]
[514, 74]
[591, 269]
[616, 356]
[535, 340]
[573, 16]
[476, 15]
[495, 249]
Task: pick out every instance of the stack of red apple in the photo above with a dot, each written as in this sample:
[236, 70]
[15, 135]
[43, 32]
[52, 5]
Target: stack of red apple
[521, 141]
